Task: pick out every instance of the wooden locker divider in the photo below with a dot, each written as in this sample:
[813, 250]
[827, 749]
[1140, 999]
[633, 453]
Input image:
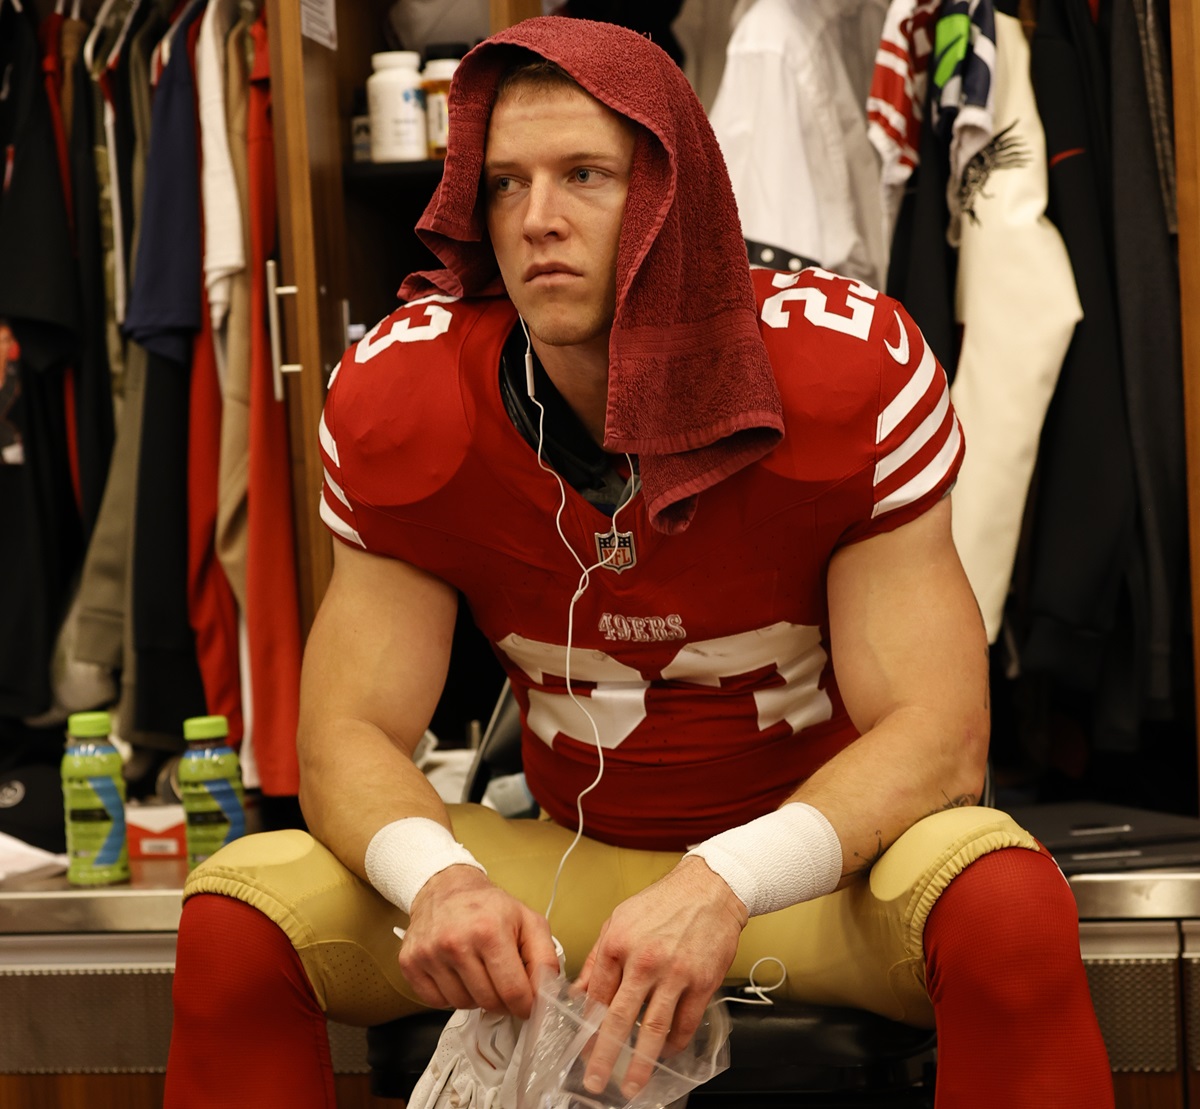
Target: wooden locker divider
[1185, 49]
[308, 161]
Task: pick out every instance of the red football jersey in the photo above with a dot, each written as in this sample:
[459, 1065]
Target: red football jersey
[702, 657]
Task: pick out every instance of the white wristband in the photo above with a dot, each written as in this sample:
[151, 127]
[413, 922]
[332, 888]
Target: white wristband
[404, 855]
[781, 859]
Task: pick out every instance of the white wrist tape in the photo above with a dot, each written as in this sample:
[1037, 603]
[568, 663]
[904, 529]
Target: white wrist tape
[781, 859]
[404, 855]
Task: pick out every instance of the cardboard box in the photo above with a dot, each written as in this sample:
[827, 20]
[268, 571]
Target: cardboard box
[156, 831]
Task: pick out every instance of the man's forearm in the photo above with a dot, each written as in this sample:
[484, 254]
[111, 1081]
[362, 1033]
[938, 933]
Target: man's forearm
[352, 787]
[838, 823]
[909, 766]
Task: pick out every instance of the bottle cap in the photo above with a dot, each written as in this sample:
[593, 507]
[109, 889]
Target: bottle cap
[439, 69]
[205, 727]
[88, 725]
[396, 59]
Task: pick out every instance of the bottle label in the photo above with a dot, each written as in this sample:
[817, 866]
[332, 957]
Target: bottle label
[213, 801]
[397, 123]
[438, 114]
[96, 846]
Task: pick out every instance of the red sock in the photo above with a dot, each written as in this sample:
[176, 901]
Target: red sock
[247, 1029]
[1015, 1022]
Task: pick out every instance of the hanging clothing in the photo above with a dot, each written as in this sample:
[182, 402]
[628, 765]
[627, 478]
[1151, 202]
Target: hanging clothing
[272, 589]
[38, 291]
[1147, 281]
[1012, 266]
[164, 317]
[71, 33]
[923, 267]
[790, 117]
[235, 415]
[92, 402]
[164, 313]
[224, 254]
[114, 82]
[96, 47]
[896, 104]
[964, 83]
[1083, 521]
[702, 28]
[41, 542]
[105, 635]
[212, 610]
[50, 39]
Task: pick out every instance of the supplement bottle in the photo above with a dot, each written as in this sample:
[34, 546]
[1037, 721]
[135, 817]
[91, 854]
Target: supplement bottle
[396, 105]
[94, 803]
[210, 785]
[435, 80]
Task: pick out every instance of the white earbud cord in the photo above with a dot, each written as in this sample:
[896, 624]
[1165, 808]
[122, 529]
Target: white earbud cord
[753, 993]
[584, 578]
[757, 994]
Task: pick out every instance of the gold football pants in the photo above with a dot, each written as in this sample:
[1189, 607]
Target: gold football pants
[860, 946]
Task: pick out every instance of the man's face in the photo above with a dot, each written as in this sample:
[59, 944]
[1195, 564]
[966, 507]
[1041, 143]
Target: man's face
[555, 177]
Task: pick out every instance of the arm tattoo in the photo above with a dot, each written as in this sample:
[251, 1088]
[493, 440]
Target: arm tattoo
[867, 861]
[962, 801]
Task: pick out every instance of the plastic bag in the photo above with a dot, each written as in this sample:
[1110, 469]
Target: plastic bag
[557, 1044]
[494, 1061]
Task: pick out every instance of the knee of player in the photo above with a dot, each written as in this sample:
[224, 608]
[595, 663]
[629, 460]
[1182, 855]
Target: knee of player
[1007, 929]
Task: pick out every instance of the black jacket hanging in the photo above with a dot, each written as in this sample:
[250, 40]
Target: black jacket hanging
[1083, 518]
[40, 538]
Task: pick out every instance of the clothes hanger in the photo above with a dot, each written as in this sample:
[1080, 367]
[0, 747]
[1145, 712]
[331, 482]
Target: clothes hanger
[89, 44]
[164, 46]
[115, 53]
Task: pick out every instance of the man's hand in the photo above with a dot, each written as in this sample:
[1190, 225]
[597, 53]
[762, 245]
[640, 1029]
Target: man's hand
[471, 945]
[667, 948]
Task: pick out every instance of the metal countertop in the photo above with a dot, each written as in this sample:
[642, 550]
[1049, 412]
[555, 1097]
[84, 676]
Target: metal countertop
[43, 902]
[39, 902]
[1168, 894]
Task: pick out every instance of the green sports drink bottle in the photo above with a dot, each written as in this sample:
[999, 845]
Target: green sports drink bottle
[210, 783]
[94, 800]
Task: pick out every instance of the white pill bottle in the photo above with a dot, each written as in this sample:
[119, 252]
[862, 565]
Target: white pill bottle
[396, 103]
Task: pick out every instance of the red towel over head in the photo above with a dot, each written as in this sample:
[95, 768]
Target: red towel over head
[690, 388]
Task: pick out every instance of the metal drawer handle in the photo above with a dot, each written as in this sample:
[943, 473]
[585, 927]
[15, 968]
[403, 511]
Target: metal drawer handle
[274, 292]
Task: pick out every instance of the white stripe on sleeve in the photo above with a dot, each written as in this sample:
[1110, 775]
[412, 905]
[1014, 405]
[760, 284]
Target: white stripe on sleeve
[927, 479]
[906, 400]
[924, 431]
[336, 489]
[327, 443]
[338, 525]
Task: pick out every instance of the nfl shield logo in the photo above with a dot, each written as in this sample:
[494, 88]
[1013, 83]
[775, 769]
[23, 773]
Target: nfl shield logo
[614, 550]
